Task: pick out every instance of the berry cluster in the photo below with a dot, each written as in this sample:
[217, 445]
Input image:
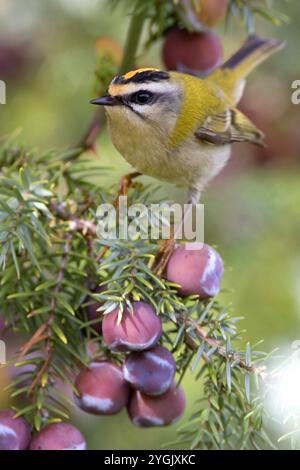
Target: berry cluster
[143, 378]
[145, 382]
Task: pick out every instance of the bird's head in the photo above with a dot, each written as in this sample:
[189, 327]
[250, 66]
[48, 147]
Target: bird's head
[149, 95]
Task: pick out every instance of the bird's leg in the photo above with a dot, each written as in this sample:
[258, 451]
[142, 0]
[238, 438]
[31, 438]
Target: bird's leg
[166, 249]
[194, 196]
[125, 184]
[168, 246]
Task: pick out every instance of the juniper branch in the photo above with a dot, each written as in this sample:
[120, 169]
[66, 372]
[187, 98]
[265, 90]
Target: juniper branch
[232, 356]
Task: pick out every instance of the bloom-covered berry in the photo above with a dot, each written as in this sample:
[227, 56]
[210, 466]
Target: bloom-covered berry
[138, 330]
[151, 372]
[58, 436]
[147, 411]
[197, 271]
[14, 432]
[102, 389]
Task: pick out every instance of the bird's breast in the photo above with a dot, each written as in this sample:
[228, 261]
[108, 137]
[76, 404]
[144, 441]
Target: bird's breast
[191, 164]
[145, 148]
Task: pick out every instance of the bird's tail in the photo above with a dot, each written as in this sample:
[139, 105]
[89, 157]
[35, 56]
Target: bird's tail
[251, 54]
[230, 77]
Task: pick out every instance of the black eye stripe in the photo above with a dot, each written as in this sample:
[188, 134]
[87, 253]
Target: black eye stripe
[127, 100]
[141, 97]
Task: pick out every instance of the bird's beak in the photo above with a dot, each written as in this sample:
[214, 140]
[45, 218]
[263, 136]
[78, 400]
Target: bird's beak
[106, 100]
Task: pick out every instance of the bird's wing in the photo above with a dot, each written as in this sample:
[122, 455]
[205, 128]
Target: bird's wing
[228, 127]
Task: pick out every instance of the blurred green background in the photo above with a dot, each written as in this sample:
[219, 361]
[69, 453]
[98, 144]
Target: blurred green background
[48, 57]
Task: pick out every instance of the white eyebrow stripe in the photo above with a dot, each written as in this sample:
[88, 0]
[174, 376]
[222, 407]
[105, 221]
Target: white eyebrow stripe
[155, 87]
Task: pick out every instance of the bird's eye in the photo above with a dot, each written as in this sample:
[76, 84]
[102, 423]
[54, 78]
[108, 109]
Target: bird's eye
[142, 97]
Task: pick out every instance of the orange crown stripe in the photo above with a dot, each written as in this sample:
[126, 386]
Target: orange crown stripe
[131, 74]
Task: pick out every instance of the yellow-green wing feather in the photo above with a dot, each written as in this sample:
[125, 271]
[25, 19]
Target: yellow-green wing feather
[243, 130]
[207, 113]
[228, 127]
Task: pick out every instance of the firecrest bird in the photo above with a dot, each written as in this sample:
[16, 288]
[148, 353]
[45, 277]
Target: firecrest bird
[179, 128]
